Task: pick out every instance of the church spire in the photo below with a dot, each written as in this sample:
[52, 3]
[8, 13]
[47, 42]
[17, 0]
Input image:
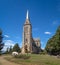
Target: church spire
[27, 18]
[27, 15]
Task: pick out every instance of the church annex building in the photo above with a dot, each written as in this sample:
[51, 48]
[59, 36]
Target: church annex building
[29, 45]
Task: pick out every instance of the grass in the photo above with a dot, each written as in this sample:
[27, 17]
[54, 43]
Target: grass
[36, 60]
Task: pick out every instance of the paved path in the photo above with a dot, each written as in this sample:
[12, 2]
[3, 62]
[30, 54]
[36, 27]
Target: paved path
[5, 62]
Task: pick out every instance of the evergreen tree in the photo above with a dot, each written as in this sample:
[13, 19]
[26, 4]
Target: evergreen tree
[10, 49]
[7, 51]
[1, 39]
[16, 48]
[53, 44]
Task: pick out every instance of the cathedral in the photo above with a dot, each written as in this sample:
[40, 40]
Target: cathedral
[29, 45]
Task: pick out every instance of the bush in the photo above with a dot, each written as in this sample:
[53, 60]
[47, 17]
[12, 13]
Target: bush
[0, 53]
[43, 52]
[22, 56]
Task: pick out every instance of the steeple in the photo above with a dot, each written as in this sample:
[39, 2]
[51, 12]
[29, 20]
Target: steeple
[27, 18]
[27, 15]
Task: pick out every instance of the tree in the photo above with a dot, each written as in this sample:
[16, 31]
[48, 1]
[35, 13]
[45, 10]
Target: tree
[1, 39]
[10, 49]
[7, 51]
[53, 44]
[16, 48]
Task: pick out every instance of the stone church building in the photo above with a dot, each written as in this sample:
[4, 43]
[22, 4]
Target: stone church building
[29, 45]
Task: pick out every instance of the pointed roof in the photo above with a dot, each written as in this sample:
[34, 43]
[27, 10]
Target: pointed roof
[27, 18]
[27, 15]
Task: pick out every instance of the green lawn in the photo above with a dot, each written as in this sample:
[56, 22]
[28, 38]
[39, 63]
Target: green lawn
[36, 59]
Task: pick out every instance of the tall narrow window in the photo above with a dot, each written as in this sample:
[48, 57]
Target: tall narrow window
[26, 40]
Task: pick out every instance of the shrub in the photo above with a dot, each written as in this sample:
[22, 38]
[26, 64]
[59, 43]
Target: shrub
[43, 52]
[0, 53]
[22, 56]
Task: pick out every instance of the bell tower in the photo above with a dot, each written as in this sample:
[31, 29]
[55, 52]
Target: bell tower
[27, 35]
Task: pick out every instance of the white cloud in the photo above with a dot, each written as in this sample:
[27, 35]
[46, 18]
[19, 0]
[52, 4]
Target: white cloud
[42, 45]
[7, 44]
[6, 36]
[48, 33]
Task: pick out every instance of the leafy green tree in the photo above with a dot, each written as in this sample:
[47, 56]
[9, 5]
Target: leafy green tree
[53, 44]
[16, 48]
[1, 39]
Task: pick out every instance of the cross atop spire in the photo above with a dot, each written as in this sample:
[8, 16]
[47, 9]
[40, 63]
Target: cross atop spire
[27, 15]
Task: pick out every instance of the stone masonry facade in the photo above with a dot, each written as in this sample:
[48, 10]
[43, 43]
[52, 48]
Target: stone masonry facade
[29, 45]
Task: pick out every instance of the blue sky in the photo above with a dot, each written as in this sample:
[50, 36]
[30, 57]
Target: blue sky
[44, 16]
